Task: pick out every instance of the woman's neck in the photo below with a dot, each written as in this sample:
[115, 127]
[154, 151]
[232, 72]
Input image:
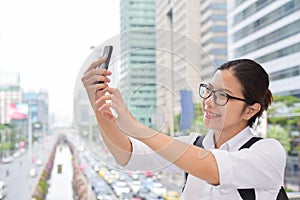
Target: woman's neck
[222, 136]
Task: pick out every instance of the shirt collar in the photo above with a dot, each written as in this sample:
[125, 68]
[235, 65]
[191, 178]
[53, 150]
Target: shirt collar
[231, 145]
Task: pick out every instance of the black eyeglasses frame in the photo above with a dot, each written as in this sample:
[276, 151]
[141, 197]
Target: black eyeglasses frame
[214, 95]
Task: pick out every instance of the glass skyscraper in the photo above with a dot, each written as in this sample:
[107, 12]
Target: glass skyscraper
[138, 70]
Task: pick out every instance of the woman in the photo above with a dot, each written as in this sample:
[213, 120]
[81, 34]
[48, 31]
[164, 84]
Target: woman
[232, 102]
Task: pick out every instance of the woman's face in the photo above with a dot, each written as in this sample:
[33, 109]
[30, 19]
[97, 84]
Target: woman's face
[229, 118]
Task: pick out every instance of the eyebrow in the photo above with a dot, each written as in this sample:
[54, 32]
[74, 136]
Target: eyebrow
[222, 89]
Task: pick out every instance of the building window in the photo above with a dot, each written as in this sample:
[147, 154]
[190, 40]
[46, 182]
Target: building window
[280, 34]
[247, 12]
[280, 53]
[268, 19]
[286, 73]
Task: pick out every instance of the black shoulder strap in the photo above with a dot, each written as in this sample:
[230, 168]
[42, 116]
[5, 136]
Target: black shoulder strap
[249, 143]
[248, 194]
[282, 194]
[197, 142]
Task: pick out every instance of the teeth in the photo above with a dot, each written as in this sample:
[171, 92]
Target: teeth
[211, 114]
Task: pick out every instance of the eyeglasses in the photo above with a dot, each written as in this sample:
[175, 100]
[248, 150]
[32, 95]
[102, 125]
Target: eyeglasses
[219, 96]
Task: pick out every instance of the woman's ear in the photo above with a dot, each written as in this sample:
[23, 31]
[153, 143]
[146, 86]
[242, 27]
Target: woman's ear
[252, 110]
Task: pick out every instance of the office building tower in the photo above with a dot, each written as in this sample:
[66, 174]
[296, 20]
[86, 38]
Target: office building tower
[268, 32]
[138, 73]
[213, 35]
[10, 95]
[38, 108]
[191, 41]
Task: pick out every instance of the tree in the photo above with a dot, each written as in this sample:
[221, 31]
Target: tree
[281, 134]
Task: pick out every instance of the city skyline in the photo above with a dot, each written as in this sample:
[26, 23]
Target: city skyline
[47, 43]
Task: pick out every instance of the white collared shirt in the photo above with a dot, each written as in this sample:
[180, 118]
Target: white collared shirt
[260, 167]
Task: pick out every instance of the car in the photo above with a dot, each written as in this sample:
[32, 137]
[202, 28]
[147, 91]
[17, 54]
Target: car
[104, 197]
[158, 189]
[142, 193]
[121, 187]
[145, 194]
[38, 162]
[294, 195]
[22, 150]
[136, 198]
[126, 196]
[7, 159]
[171, 195]
[97, 182]
[136, 186]
[32, 172]
[17, 154]
[148, 183]
[103, 194]
[2, 190]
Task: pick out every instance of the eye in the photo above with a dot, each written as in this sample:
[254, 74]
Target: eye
[222, 95]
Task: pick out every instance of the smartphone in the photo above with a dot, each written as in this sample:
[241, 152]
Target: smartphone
[107, 51]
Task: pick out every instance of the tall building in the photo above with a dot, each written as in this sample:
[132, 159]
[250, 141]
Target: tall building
[213, 35]
[38, 108]
[138, 73]
[10, 94]
[191, 41]
[268, 32]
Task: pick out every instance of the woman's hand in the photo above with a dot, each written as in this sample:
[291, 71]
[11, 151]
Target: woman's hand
[91, 77]
[121, 115]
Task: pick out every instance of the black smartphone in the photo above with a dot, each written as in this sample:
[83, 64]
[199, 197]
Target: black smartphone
[107, 51]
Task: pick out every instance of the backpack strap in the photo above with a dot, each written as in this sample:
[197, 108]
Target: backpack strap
[199, 140]
[249, 143]
[249, 193]
[282, 194]
[198, 143]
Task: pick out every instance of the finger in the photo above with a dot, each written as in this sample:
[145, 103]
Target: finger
[108, 114]
[103, 98]
[101, 91]
[96, 63]
[105, 72]
[96, 80]
[104, 106]
[101, 88]
[113, 90]
[88, 75]
[95, 72]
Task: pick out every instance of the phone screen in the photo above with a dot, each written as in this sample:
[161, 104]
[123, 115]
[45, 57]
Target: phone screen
[106, 52]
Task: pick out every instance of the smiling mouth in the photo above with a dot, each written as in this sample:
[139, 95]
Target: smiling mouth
[210, 115]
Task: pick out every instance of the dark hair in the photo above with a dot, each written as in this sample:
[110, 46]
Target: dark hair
[255, 82]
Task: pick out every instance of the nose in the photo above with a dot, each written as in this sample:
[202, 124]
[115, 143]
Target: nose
[209, 101]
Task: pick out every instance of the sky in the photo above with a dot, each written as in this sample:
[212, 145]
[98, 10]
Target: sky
[47, 42]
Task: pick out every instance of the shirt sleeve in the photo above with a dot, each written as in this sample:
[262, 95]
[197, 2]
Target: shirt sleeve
[260, 166]
[145, 159]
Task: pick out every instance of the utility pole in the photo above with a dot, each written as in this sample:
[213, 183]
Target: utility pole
[29, 134]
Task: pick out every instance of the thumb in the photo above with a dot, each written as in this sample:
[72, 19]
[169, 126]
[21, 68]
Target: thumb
[108, 115]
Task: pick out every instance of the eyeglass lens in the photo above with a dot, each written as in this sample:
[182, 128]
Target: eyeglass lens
[219, 97]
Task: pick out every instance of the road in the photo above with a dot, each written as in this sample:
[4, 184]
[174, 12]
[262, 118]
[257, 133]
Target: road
[19, 183]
